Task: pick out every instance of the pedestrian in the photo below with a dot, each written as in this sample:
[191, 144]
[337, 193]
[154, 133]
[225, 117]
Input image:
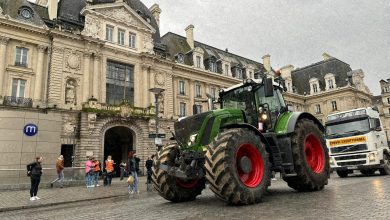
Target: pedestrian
[34, 171]
[60, 172]
[97, 171]
[89, 172]
[109, 169]
[137, 161]
[133, 188]
[149, 165]
[123, 166]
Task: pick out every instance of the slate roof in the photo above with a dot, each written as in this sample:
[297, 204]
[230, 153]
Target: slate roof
[178, 44]
[300, 77]
[11, 8]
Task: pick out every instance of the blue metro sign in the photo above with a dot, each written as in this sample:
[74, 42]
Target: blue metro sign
[30, 130]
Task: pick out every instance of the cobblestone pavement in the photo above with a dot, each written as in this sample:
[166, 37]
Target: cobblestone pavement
[354, 197]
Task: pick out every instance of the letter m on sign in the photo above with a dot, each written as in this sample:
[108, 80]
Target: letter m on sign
[30, 130]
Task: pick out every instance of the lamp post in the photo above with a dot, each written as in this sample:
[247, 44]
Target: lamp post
[157, 92]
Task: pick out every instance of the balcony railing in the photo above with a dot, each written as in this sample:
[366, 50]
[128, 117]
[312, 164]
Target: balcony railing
[17, 101]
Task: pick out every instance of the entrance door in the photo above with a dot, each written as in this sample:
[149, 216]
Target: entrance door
[118, 141]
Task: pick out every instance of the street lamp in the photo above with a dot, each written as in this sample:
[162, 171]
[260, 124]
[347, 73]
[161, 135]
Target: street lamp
[157, 92]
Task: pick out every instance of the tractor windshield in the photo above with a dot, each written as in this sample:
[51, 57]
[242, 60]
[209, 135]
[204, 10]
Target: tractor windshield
[242, 98]
[275, 102]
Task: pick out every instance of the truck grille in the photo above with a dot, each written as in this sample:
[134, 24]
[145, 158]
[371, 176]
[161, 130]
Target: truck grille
[353, 157]
[350, 148]
[352, 163]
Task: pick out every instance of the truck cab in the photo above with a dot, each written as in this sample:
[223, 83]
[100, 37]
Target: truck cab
[357, 141]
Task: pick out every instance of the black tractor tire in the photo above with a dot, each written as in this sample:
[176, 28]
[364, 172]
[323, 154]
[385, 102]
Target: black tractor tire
[311, 158]
[386, 167]
[172, 188]
[342, 173]
[367, 172]
[227, 170]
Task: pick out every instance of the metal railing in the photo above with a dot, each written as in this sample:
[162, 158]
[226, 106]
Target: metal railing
[17, 101]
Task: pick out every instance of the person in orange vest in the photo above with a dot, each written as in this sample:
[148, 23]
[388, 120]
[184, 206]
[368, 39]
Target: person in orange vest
[109, 169]
[97, 171]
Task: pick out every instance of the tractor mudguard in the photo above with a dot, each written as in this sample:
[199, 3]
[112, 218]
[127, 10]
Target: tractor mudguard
[286, 122]
[251, 127]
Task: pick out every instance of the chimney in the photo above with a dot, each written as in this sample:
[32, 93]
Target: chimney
[286, 71]
[52, 8]
[190, 36]
[326, 56]
[267, 62]
[156, 11]
[41, 2]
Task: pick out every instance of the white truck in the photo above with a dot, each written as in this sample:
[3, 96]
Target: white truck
[357, 141]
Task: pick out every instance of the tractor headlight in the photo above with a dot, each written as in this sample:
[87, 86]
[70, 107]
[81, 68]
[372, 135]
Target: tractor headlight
[371, 157]
[192, 139]
[264, 117]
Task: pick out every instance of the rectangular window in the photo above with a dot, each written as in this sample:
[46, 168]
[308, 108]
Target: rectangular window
[198, 91]
[318, 109]
[109, 32]
[330, 84]
[21, 56]
[315, 88]
[213, 92]
[388, 100]
[18, 87]
[334, 105]
[213, 67]
[121, 37]
[182, 90]
[119, 83]
[198, 61]
[182, 109]
[226, 69]
[132, 40]
[199, 109]
[239, 73]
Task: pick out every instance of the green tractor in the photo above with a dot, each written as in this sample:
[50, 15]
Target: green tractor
[236, 148]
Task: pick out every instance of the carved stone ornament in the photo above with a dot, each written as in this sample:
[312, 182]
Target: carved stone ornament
[73, 61]
[1, 11]
[119, 14]
[92, 27]
[148, 45]
[159, 79]
[68, 127]
[70, 92]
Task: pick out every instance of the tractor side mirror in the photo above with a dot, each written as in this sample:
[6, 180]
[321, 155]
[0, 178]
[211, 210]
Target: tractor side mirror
[268, 87]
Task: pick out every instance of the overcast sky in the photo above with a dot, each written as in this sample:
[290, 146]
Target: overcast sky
[293, 32]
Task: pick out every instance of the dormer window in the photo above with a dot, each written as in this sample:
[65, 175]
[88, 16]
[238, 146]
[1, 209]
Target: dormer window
[330, 81]
[180, 58]
[330, 84]
[198, 61]
[25, 13]
[227, 69]
[314, 86]
[239, 73]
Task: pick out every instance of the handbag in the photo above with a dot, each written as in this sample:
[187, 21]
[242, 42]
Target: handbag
[130, 180]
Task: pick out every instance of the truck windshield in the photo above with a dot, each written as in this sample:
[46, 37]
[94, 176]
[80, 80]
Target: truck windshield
[353, 127]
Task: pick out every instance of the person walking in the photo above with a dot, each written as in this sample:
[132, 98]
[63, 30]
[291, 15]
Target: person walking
[109, 169]
[34, 171]
[123, 166]
[149, 165]
[133, 188]
[89, 172]
[60, 172]
[97, 171]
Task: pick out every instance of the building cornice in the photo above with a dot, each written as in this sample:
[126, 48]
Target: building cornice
[10, 22]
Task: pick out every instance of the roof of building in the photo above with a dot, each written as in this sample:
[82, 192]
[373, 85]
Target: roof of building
[177, 44]
[300, 77]
[12, 9]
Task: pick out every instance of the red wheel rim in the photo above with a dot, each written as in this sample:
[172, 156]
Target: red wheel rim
[314, 152]
[187, 184]
[253, 177]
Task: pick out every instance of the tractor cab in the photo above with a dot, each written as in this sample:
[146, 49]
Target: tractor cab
[261, 101]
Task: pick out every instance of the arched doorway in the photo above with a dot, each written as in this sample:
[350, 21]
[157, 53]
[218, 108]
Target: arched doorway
[118, 141]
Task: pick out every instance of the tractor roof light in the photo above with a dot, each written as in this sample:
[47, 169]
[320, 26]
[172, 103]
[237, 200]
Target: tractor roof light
[248, 81]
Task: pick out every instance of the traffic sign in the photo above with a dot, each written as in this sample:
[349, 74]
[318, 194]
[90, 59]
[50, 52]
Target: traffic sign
[30, 130]
[153, 135]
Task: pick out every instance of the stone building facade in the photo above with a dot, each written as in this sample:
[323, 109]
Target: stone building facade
[81, 71]
[383, 103]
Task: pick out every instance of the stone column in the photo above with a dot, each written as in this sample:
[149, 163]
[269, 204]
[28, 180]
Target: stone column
[39, 73]
[86, 76]
[96, 75]
[145, 85]
[191, 95]
[3, 52]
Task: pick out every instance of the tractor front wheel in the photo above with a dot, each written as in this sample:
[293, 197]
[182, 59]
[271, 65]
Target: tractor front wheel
[172, 188]
[237, 166]
[311, 159]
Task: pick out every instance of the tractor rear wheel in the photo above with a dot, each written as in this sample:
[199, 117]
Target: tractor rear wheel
[172, 188]
[237, 166]
[311, 159]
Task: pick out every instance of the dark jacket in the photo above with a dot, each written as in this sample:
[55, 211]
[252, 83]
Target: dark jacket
[149, 164]
[35, 169]
[132, 164]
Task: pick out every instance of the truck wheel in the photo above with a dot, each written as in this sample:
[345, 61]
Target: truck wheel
[237, 167]
[311, 159]
[342, 173]
[172, 188]
[386, 167]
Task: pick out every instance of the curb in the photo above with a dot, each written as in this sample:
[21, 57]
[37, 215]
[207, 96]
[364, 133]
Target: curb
[7, 209]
